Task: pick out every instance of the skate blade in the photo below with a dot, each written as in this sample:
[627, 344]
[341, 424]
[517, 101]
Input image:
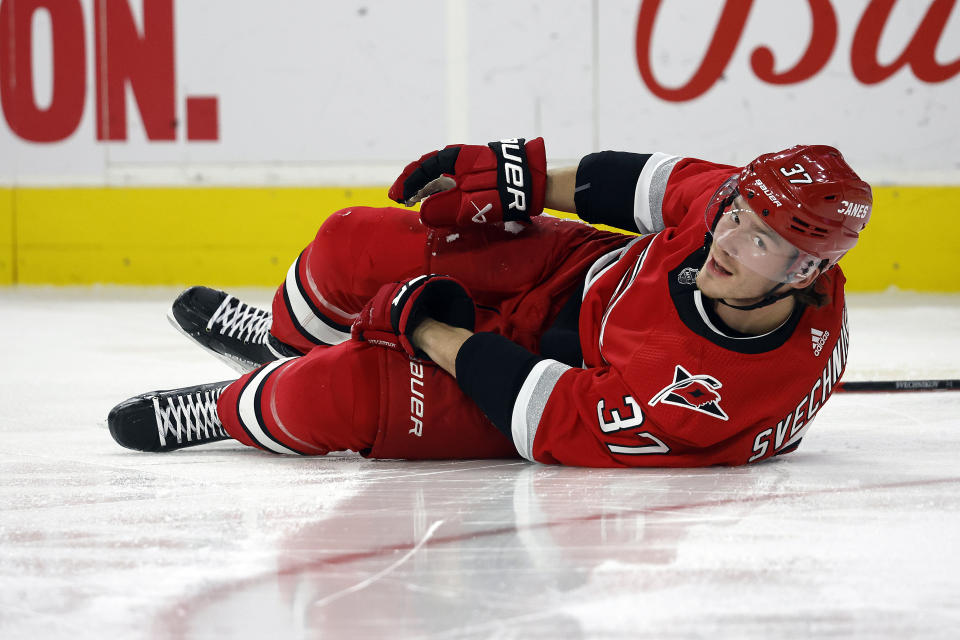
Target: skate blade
[237, 364]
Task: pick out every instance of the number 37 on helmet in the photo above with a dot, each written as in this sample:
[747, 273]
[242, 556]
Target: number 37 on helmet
[807, 195]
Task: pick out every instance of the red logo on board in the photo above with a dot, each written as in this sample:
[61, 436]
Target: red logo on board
[919, 54]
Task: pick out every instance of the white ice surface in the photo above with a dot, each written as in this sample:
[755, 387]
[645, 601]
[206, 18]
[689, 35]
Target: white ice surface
[855, 535]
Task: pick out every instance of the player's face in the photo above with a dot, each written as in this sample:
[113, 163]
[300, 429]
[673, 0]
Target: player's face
[747, 259]
[722, 276]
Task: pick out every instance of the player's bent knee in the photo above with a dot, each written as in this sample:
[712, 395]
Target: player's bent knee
[351, 219]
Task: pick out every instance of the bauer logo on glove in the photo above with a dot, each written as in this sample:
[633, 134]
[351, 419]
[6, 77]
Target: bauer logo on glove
[392, 314]
[461, 185]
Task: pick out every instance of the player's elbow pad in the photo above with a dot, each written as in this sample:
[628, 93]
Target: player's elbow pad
[606, 187]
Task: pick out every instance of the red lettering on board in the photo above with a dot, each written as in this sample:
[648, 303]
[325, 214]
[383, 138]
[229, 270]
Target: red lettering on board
[919, 53]
[140, 57]
[17, 93]
[823, 39]
[144, 61]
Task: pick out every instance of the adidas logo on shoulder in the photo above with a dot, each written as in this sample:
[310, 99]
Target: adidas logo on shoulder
[819, 339]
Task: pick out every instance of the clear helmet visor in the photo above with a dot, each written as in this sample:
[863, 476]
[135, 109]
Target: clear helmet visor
[742, 234]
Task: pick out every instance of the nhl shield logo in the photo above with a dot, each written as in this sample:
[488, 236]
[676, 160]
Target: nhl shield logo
[688, 275]
[697, 393]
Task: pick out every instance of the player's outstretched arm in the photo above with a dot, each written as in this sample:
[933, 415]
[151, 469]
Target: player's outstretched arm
[508, 181]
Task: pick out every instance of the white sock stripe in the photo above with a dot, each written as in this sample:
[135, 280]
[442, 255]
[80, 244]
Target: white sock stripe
[269, 406]
[305, 315]
[310, 282]
[317, 300]
[246, 406]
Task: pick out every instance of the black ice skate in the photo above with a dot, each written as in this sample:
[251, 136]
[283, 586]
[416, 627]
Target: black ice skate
[235, 332]
[161, 421]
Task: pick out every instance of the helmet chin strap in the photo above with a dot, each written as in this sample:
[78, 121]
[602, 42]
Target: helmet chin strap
[766, 301]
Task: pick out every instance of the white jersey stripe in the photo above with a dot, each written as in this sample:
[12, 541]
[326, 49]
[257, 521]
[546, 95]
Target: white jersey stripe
[602, 264]
[698, 301]
[651, 187]
[309, 321]
[625, 284]
[248, 414]
[531, 402]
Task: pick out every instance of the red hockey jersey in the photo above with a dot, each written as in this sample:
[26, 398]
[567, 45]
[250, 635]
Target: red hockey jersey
[663, 382]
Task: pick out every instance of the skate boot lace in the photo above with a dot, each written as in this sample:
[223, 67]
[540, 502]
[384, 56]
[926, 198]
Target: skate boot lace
[189, 417]
[242, 321]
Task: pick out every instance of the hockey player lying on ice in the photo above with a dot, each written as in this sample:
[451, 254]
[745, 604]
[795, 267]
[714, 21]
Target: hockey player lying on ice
[714, 337]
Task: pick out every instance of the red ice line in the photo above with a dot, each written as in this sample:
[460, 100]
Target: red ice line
[176, 617]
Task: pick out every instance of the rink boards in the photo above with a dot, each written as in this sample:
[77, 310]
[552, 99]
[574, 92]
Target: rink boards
[248, 236]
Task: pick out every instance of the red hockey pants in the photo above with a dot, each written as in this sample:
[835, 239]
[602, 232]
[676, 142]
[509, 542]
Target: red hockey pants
[345, 394]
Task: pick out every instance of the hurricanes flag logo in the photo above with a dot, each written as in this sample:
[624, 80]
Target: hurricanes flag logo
[698, 393]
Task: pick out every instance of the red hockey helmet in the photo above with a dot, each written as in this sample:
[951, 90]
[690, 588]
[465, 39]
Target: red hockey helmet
[811, 197]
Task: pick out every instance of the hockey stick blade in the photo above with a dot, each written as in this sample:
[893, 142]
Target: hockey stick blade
[897, 385]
